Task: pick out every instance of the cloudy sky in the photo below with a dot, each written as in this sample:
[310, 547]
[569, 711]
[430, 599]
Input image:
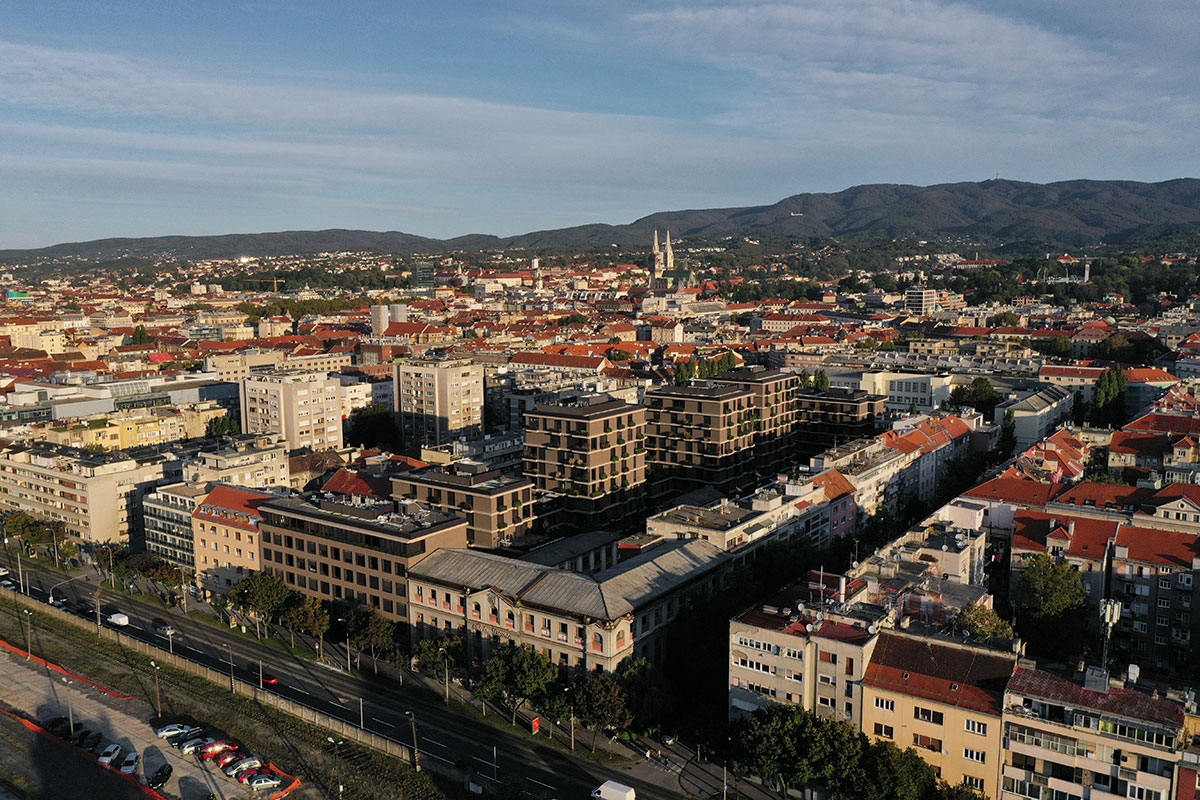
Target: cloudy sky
[138, 118]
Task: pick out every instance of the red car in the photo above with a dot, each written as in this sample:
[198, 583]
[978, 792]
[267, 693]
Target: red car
[212, 751]
[228, 757]
[253, 773]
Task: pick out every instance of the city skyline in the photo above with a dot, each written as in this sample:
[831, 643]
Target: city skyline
[131, 121]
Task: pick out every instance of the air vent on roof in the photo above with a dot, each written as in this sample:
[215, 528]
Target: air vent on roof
[906, 676]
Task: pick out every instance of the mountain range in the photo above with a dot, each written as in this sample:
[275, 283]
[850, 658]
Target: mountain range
[1075, 213]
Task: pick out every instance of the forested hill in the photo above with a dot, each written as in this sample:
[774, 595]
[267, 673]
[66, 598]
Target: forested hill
[1068, 213]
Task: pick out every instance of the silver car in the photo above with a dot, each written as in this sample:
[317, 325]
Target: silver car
[129, 766]
[245, 763]
[195, 744]
[110, 754]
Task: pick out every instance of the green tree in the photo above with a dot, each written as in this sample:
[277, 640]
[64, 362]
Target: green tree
[619, 355]
[440, 653]
[373, 426]
[684, 372]
[513, 674]
[981, 621]
[307, 616]
[821, 381]
[223, 426]
[1005, 319]
[139, 335]
[600, 704]
[262, 594]
[1050, 602]
[1008, 434]
[369, 630]
[651, 696]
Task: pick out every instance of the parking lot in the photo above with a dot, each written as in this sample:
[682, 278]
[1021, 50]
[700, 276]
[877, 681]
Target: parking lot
[41, 693]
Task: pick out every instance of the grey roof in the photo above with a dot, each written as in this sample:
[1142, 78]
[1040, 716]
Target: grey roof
[607, 595]
[568, 547]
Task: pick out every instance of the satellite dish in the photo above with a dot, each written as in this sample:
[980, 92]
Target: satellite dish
[809, 627]
[854, 564]
[945, 548]
[873, 629]
[799, 607]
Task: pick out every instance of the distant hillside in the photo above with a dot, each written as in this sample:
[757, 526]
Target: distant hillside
[1067, 213]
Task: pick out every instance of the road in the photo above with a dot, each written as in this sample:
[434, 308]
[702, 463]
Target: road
[442, 734]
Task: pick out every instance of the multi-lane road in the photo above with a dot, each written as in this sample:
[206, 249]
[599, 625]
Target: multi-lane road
[381, 705]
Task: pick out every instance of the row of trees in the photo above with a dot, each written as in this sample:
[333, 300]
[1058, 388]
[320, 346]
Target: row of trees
[703, 367]
[41, 535]
[817, 382]
[1108, 398]
[790, 748]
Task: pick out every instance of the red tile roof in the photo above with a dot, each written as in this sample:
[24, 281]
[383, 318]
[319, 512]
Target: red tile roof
[835, 484]
[1020, 491]
[1129, 703]
[232, 506]
[1156, 546]
[1105, 496]
[954, 676]
[1147, 444]
[347, 481]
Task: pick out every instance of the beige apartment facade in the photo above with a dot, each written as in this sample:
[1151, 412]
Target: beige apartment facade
[245, 460]
[225, 537]
[303, 408]
[943, 699]
[498, 507]
[438, 401]
[97, 496]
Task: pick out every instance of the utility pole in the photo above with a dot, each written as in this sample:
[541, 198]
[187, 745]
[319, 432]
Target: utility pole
[229, 649]
[362, 720]
[70, 707]
[416, 761]
[157, 695]
[28, 633]
[446, 665]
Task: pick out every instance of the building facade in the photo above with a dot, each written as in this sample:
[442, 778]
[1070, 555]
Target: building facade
[303, 408]
[700, 435]
[225, 537]
[498, 507]
[438, 401]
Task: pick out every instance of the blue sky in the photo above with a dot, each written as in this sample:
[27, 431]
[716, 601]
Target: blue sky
[140, 118]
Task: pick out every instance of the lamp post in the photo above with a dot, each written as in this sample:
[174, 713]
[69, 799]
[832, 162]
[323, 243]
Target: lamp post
[171, 640]
[260, 674]
[446, 665]
[362, 720]
[229, 649]
[28, 633]
[416, 761]
[55, 586]
[70, 707]
[567, 691]
[157, 694]
[343, 619]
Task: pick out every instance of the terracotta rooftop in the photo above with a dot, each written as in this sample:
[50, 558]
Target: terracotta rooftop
[956, 676]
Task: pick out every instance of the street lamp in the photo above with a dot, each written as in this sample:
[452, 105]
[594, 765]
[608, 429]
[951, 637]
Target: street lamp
[28, 633]
[157, 695]
[416, 762]
[229, 648]
[567, 691]
[446, 665]
[171, 640]
[70, 707]
[343, 619]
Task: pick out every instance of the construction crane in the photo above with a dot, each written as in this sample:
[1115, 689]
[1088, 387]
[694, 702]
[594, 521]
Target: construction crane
[273, 281]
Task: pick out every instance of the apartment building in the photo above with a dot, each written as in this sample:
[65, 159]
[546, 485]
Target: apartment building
[302, 408]
[168, 522]
[353, 550]
[920, 301]
[97, 496]
[903, 389]
[827, 419]
[882, 477]
[700, 435]
[773, 394]
[225, 537]
[807, 646]
[1154, 578]
[122, 430]
[1036, 414]
[439, 401]
[498, 507]
[944, 699]
[585, 621]
[590, 450]
[245, 460]
[236, 367]
[1066, 739]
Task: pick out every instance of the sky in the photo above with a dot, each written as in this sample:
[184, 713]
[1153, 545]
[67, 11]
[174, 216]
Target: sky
[145, 118]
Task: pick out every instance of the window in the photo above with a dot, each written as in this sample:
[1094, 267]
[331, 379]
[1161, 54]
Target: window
[973, 782]
[978, 756]
[1164, 583]
[827, 680]
[825, 702]
[884, 731]
[884, 704]
[974, 726]
[927, 743]
[927, 715]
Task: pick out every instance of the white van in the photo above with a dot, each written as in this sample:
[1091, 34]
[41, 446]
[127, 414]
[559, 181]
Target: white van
[118, 619]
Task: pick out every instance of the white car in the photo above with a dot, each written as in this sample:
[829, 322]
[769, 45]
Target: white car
[195, 744]
[164, 630]
[238, 766]
[172, 729]
[129, 766]
[110, 754]
[264, 782]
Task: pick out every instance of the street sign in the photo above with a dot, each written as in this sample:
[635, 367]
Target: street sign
[536, 724]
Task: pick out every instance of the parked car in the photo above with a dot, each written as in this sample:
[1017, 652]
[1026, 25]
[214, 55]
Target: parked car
[210, 751]
[265, 781]
[90, 744]
[238, 766]
[80, 735]
[187, 748]
[225, 759]
[161, 776]
[245, 775]
[7, 584]
[172, 729]
[3, 572]
[129, 766]
[110, 754]
[118, 619]
[53, 722]
[164, 630]
[180, 739]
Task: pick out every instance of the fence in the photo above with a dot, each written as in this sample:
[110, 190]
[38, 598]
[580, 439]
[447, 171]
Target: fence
[344, 729]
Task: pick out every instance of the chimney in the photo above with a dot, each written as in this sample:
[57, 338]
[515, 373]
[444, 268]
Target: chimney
[842, 588]
[1071, 528]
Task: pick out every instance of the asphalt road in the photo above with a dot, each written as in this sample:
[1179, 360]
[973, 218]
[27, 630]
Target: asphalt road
[442, 734]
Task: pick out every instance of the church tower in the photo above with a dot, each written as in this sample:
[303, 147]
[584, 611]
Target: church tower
[670, 254]
[658, 258]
